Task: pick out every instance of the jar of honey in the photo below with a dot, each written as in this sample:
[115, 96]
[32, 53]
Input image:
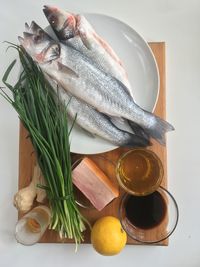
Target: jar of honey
[139, 171]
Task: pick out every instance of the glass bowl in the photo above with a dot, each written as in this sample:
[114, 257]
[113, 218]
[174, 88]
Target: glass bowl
[139, 171]
[159, 231]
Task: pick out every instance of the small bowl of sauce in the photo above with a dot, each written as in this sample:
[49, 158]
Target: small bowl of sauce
[139, 171]
[151, 218]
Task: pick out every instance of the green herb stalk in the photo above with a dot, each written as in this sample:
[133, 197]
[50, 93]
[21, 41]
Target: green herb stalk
[45, 118]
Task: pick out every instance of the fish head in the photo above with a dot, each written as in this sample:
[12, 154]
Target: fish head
[39, 45]
[62, 22]
[34, 28]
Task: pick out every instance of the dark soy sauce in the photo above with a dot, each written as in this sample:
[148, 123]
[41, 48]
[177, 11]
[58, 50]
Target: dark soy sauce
[146, 212]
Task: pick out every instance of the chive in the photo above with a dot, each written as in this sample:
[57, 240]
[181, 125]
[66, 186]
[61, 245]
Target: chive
[45, 117]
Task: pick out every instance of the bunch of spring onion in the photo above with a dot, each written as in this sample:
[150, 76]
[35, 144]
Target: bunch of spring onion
[45, 117]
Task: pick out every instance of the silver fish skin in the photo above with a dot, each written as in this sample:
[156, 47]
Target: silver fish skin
[87, 41]
[95, 122]
[99, 124]
[35, 29]
[76, 74]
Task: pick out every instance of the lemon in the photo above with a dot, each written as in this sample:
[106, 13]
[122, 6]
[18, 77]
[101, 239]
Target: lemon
[107, 236]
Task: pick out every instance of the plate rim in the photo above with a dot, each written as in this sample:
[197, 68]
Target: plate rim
[154, 61]
[143, 39]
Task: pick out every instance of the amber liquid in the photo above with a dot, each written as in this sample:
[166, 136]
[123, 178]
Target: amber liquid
[140, 171]
[33, 225]
[146, 212]
[37, 220]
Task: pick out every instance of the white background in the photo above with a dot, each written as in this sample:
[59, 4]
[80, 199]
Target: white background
[178, 24]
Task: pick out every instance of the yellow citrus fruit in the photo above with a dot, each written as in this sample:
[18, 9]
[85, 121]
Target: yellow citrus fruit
[107, 236]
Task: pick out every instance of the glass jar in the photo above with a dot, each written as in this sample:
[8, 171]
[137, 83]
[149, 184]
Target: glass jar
[31, 227]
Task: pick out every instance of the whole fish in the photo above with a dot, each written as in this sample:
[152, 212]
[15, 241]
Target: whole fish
[76, 31]
[78, 75]
[35, 29]
[99, 124]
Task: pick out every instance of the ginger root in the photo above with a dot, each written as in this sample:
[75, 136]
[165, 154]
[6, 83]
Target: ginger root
[24, 198]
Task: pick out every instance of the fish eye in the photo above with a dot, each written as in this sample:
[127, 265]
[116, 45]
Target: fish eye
[53, 19]
[56, 50]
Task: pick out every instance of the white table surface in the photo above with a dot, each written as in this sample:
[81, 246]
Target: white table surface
[176, 23]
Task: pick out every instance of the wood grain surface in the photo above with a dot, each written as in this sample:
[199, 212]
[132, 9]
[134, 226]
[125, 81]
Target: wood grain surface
[27, 160]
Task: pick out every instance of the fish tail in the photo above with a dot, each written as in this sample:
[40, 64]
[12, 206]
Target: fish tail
[137, 141]
[138, 130]
[159, 129]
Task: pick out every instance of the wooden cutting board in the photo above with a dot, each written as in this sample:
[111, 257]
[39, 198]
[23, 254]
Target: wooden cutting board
[27, 159]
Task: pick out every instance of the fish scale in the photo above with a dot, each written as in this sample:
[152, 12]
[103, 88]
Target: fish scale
[94, 87]
[92, 84]
[96, 123]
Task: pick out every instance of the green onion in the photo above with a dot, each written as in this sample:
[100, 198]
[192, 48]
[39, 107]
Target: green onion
[45, 117]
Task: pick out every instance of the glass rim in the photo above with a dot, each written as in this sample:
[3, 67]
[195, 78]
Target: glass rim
[154, 187]
[161, 239]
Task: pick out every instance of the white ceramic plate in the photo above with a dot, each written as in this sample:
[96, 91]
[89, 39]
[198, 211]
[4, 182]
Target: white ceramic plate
[142, 71]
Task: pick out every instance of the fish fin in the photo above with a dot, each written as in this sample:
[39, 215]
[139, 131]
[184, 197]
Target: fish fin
[133, 139]
[67, 70]
[88, 133]
[137, 141]
[121, 123]
[84, 130]
[130, 126]
[126, 89]
[129, 94]
[138, 130]
[159, 129]
[117, 120]
[84, 30]
[85, 39]
[109, 50]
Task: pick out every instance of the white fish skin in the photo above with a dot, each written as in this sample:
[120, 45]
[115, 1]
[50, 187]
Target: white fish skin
[75, 73]
[87, 41]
